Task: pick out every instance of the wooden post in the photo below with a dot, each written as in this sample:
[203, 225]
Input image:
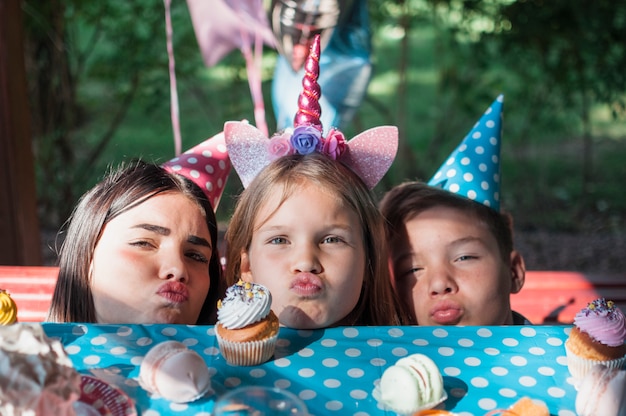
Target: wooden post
[19, 227]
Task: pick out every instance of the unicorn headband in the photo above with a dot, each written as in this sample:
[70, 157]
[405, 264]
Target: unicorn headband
[369, 154]
[473, 169]
[207, 165]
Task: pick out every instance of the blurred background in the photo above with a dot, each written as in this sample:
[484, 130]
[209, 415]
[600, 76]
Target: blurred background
[98, 92]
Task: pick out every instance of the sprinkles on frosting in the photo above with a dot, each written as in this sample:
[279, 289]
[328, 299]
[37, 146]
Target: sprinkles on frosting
[601, 307]
[243, 291]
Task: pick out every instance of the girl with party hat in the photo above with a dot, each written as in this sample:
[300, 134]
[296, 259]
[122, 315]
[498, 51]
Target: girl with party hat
[451, 246]
[141, 245]
[306, 225]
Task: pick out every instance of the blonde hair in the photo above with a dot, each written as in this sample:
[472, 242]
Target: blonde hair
[377, 302]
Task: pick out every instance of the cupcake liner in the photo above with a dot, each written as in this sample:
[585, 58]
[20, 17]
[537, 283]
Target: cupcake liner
[579, 366]
[247, 353]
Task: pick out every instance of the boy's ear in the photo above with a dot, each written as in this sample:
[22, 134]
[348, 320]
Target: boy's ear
[518, 271]
[244, 268]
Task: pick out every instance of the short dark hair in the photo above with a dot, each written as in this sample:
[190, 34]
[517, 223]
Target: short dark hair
[405, 201]
[121, 189]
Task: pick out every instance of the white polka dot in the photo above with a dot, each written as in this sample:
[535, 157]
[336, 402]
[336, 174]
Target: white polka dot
[420, 342]
[124, 331]
[282, 383]
[72, 349]
[484, 333]
[527, 381]
[490, 124]
[332, 383]
[334, 405]
[232, 381]
[118, 350]
[194, 174]
[484, 185]
[353, 352]
[150, 412]
[445, 351]
[562, 360]
[358, 394]
[491, 351]
[399, 352]
[169, 331]
[282, 362]
[556, 392]
[537, 351]
[487, 404]
[98, 340]
[378, 362]
[479, 382]
[462, 147]
[519, 361]
[495, 158]
[209, 169]
[306, 372]
[350, 332]
[176, 168]
[373, 342]
[329, 343]
[546, 371]
[91, 360]
[330, 362]
[212, 351]
[440, 333]
[395, 332]
[458, 393]
[257, 373]
[136, 360]
[307, 394]
[222, 164]
[555, 342]
[506, 392]
[510, 342]
[454, 188]
[493, 141]
[356, 372]
[472, 361]
[468, 177]
[566, 413]
[222, 148]
[471, 194]
[464, 342]
[482, 167]
[452, 371]
[465, 161]
[499, 371]
[306, 352]
[437, 175]
[207, 153]
[192, 160]
[476, 135]
[479, 150]
[450, 161]
[451, 173]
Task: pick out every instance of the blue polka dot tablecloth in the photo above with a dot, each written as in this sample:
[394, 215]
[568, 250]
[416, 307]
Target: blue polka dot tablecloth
[335, 370]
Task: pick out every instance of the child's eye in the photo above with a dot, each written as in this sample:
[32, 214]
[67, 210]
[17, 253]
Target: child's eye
[466, 257]
[199, 257]
[278, 240]
[332, 239]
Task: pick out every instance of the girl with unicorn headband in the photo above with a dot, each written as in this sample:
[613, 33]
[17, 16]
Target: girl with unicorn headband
[306, 225]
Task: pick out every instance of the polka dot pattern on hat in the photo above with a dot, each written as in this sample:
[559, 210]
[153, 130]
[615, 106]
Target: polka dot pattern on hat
[473, 169]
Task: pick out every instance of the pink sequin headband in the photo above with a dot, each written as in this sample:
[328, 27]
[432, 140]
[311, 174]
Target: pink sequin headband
[369, 154]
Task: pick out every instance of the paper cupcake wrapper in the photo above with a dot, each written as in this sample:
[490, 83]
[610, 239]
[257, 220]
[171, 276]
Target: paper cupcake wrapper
[247, 353]
[579, 367]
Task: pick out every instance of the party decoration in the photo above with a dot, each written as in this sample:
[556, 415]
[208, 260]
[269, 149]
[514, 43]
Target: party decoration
[473, 169]
[207, 165]
[369, 154]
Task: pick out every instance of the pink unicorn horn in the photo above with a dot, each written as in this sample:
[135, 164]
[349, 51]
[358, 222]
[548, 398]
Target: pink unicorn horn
[309, 110]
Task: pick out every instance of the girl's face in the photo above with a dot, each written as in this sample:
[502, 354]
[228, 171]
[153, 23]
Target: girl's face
[151, 263]
[309, 253]
[450, 270]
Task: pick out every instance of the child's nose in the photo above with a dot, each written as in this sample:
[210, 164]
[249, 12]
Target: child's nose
[441, 282]
[306, 259]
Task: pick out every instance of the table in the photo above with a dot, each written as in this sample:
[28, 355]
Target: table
[334, 370]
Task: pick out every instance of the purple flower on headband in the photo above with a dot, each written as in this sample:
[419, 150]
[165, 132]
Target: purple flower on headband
[334, 145]
[306, 139]
[280, 145]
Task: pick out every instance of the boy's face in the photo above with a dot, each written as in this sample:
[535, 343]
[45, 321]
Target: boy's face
[309, 253]
[449, 271]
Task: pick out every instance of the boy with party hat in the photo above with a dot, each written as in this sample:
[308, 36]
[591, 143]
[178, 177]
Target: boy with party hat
[451, 247]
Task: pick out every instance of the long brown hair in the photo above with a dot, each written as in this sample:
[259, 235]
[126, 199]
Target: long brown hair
[122, 189]
[377, 303]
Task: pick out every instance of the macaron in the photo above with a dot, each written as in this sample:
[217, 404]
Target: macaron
[602, 392]
[413, 383]
[174, 372]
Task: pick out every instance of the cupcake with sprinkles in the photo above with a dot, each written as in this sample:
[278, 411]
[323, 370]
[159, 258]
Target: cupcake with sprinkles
[597, 337]
[247, 328]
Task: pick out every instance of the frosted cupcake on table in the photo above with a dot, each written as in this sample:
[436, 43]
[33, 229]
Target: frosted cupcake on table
[247, 328]
[597, 338]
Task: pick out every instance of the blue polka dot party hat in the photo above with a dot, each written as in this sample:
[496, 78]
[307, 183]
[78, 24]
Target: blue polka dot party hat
[473, 169]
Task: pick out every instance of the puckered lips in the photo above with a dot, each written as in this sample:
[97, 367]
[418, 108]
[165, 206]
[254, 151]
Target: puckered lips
[446, 312]
[174, 292]
[307, 285]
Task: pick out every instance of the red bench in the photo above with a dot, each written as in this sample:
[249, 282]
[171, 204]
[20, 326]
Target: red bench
[550, 297]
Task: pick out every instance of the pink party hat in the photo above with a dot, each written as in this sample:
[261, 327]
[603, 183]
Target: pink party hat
[369, 154]
[473, 169]
[207, 165]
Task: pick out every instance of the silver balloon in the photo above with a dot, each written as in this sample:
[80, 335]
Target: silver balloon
[296, 22]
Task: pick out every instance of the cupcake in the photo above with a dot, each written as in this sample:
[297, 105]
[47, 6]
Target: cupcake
[246, 329]
[597, 337]
[8, 309]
